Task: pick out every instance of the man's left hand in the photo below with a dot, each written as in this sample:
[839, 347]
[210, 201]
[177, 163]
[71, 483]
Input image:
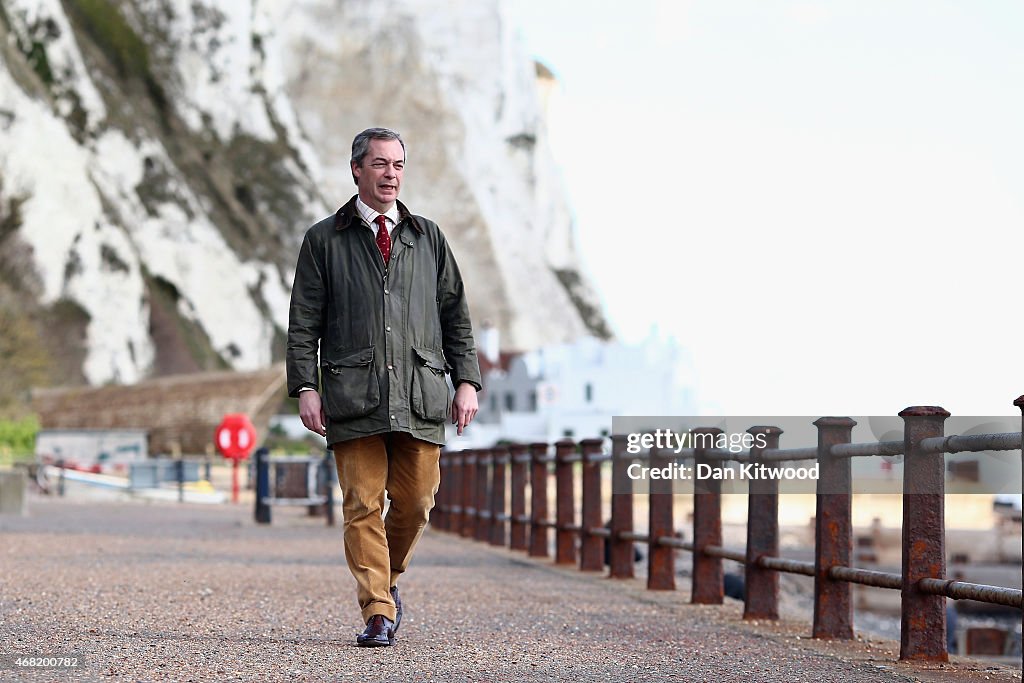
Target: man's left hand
[464, 406]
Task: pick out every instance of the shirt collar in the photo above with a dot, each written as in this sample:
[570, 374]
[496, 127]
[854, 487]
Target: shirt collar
[348, 214]
[370, 214]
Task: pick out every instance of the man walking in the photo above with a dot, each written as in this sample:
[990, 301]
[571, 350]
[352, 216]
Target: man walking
[378, 291]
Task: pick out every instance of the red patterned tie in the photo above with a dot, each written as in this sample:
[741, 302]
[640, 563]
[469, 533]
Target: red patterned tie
[383, 238]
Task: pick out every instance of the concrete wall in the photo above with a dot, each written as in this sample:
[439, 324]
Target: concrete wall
[12, 493]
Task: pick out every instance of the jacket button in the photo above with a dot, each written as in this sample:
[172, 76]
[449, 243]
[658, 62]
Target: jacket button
[388, 328]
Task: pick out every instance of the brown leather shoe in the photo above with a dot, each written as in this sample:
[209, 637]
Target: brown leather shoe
[398, 607]
[379, 632]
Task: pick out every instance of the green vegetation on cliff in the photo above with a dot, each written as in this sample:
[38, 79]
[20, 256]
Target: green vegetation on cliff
[127, 52]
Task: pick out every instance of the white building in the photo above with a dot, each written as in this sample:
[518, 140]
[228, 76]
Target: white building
[574, 389]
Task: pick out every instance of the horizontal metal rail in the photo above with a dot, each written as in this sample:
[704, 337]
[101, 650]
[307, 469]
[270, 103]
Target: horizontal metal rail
[673, 542]
[722, 454]
[866, 577]
[1010, 441]
[782, 564]
[670, 455]
[725, 553]
[857, 450]
[962, 590]
[947, 444]
[634, 536]
[783, 454]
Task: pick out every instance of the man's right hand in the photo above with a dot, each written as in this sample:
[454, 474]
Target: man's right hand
[311, 412]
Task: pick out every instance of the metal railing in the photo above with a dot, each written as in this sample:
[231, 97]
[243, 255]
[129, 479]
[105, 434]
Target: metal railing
[472, 501]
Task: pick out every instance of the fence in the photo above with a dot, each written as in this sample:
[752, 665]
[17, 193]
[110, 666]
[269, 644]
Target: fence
[150, 473]
[473, 502]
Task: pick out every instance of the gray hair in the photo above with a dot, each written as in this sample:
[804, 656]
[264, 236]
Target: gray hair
[361, 143]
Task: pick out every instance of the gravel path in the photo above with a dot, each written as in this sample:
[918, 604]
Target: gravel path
[200, 593]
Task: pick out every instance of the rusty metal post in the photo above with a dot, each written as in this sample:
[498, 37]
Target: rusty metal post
[538, 500]
[762, 585]
[708, 576]
[923, 616]
[591, 546]
[469, 520]
[833, 531]
[483, 520]
[438, 516]
[517, 529]
[450, 497]
[1020, 404]
[565, 503]
[455, 492]
[621, 565]
[449, 480]
[661, 569]
[499, 456]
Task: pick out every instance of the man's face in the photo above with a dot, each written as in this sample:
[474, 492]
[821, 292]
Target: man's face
[379, 178]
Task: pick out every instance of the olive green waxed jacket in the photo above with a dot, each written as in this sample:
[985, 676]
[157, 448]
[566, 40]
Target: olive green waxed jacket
[386, 335]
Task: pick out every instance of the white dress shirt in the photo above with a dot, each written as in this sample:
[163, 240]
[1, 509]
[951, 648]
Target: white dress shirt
[369, 216]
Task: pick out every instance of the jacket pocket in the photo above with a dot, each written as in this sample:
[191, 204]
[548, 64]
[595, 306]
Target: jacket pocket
[350, 384]
[429, 392]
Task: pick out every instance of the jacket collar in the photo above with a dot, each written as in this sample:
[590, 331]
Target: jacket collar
[347, 215]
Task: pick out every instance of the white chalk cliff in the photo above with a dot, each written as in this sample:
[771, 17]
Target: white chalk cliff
[160, 160]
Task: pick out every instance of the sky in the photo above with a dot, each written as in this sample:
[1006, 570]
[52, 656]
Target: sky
[822, 201]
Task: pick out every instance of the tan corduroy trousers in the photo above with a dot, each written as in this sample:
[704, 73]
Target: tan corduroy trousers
[378, 548]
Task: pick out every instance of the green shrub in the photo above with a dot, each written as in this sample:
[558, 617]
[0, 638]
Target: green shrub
[18, 439]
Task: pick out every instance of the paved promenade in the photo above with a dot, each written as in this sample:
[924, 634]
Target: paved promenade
[191, 593]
